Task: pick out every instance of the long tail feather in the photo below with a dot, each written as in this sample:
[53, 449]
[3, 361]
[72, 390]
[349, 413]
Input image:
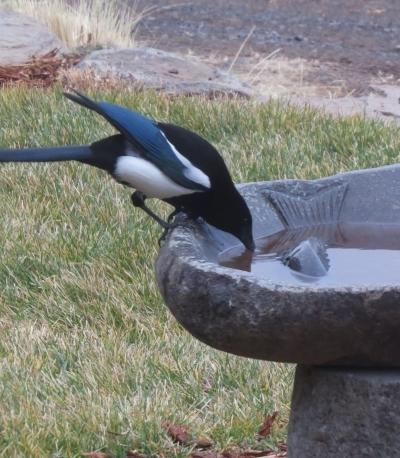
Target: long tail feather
[82, 100]
[81, 153]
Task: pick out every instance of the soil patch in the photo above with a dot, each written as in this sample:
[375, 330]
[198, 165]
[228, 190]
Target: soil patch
[307, 47]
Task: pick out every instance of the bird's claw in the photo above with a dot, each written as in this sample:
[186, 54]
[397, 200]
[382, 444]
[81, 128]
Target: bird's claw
[166, 231]
[172, 215]
[163, 237]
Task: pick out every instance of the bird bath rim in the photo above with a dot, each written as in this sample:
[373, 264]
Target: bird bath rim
[236, 311]
[188, 231]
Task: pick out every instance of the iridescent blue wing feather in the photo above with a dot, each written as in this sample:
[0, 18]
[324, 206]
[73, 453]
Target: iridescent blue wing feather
[144, 134]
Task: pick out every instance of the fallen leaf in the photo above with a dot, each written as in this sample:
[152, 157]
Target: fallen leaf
[178, 433]
[265, 429]
[230, 454]
[237, 453]
[282, 447]
[257, 453]
[278, 455]
[202, 442]
[205, 454]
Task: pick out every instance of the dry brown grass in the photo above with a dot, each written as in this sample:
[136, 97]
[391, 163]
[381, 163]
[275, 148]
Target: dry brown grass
[85, 23]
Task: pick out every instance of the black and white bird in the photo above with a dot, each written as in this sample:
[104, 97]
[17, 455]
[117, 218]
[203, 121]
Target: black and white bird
[157, 160]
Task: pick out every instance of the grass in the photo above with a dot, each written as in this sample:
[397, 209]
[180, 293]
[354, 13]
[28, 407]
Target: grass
[84, 23]
[90, 357]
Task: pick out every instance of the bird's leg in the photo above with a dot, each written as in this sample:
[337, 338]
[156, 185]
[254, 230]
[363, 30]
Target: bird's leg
[138, 199]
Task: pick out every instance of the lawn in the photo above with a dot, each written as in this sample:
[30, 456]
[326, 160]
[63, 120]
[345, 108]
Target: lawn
[91, 359]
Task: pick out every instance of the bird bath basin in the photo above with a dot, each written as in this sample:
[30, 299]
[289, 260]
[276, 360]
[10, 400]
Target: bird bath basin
[337, 317]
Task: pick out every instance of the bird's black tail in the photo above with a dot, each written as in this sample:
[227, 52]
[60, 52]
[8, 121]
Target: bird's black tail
[81, 153]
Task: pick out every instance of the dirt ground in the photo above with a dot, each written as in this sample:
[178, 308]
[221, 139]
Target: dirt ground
[294, 47]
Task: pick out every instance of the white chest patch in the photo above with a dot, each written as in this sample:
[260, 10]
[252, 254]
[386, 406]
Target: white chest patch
[147, 178]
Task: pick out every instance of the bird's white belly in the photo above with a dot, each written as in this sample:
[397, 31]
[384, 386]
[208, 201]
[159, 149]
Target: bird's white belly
[147, 178]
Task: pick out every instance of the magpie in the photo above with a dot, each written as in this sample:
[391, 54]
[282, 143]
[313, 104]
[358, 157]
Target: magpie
[158, 160]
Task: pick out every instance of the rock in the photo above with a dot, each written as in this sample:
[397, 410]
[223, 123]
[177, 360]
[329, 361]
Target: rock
[382, 103]
[22, 37]
[345, 413]
[157, 69]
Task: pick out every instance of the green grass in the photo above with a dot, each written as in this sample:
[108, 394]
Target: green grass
[90, 356]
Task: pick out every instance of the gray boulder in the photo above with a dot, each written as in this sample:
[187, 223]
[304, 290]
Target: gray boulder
[157, 69]
[22, 37]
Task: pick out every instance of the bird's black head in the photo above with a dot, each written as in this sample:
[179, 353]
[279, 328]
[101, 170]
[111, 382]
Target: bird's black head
[231, 214]
[221, 206]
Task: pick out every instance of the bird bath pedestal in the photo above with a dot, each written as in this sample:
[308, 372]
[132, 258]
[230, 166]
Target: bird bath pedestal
[345, 339]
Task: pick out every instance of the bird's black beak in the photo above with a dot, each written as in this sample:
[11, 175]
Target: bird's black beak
[248, 241]
[250, 245]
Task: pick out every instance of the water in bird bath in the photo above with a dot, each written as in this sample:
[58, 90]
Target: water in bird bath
[340, 255]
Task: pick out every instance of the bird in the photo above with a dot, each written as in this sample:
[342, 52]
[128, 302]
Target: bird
[158, 160]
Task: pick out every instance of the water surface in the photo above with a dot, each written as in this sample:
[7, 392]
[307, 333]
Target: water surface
[359, 255]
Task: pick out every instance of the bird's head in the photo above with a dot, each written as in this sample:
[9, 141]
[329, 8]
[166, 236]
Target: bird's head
[231, 214]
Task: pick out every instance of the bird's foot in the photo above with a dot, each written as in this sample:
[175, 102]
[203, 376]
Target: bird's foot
[172, 215]
[138, 200]
[171, 226]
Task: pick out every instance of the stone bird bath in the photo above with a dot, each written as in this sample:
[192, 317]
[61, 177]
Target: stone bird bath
[345, 338]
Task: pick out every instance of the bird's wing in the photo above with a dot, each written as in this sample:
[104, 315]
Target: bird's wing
[143, 133]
